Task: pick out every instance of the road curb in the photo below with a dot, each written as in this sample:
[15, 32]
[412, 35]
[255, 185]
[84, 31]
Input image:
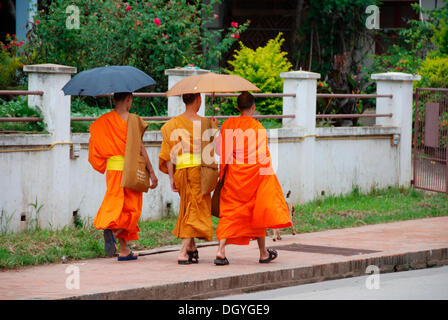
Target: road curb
[250, 282]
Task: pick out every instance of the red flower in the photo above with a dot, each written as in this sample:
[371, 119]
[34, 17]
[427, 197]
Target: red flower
[37, 21]
[13, 35]
[234, 24]
[215, 16]
[5, 47]
[236, 36]
[398, 68]
[157, 22]
[128, 7]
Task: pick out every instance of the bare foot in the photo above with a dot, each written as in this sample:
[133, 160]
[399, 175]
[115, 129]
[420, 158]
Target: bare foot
[220, 255]
[182, 256]
[265, 255]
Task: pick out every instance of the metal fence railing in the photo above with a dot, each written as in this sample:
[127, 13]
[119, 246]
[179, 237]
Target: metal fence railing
[217, 95]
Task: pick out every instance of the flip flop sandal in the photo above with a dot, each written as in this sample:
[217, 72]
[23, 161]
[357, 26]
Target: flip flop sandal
[221, 262]
[131, 256]
[109, 243]
[272, 255]
[193, 256]
[184, 262]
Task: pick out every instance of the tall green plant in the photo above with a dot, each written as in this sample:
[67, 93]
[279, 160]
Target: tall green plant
[262, 67]
[329, 28]
[441, 38]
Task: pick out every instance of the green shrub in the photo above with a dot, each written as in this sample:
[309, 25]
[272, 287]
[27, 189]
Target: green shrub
[149, 35]
[407, 51]
[19, 108]
[441, 38]
[262, 67]
[79, 109]
[434, 73]
[10, 63]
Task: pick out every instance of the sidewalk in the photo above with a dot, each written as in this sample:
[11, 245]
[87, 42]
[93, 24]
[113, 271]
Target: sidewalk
[303, 258]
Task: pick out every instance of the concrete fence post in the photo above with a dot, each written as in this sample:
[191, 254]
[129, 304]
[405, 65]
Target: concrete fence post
[55, 106]
[175, 104]
[400, 86]
[304, 85]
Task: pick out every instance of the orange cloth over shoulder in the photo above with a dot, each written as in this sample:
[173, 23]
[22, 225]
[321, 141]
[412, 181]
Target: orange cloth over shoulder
[251, 198]
[121, 207]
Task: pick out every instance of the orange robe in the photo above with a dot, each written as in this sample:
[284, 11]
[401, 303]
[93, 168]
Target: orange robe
[194, 219]
[250, 202]
[121, 207]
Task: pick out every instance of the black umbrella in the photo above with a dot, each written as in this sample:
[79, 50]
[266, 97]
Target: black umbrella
[107, 80]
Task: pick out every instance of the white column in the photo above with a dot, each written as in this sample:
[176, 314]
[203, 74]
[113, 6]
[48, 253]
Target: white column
[51, 78]
[304, 85]
[175, 104]
[55, 106]
[400, 86]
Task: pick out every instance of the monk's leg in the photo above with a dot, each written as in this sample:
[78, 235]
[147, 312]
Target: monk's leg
[221, 254]
[264, 254]
[116, 232]
[183, 256]
[124, 248]
[191, 245]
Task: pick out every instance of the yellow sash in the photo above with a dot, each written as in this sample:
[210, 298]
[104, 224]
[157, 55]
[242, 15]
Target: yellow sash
[188, 160]
[115, 163]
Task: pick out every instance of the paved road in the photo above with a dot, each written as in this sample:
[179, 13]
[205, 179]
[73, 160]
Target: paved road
[424, 284]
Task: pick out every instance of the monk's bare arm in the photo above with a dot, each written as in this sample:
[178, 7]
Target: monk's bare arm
[170, 167]
[152, 175]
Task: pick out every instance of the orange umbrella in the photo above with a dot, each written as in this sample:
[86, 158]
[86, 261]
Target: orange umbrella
[211, 83]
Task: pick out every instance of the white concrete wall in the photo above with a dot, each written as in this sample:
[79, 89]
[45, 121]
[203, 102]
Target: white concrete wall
[309, 161]
[354, 157]
[344, 158]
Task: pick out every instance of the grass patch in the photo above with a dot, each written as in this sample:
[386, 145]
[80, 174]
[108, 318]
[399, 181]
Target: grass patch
[379, 206]
[83, 242]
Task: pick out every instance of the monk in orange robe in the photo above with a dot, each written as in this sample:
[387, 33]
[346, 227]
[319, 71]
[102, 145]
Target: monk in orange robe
[121, 208]
[251, 198]
[180, 158]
